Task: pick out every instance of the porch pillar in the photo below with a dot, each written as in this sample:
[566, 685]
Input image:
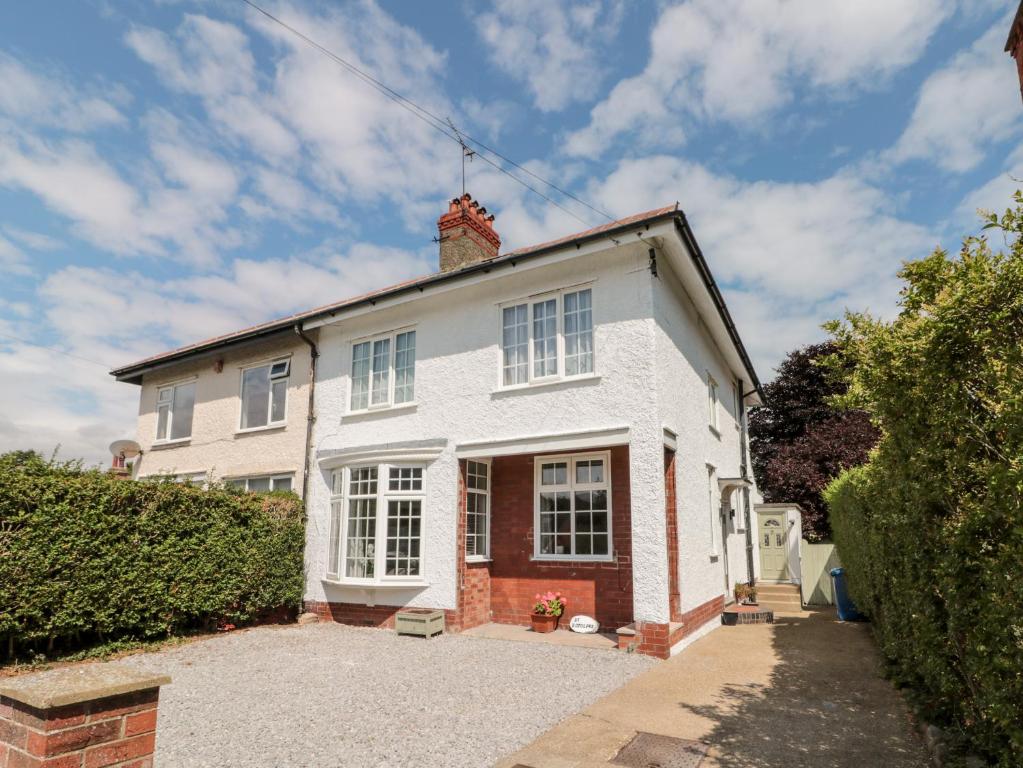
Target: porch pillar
[649, 535]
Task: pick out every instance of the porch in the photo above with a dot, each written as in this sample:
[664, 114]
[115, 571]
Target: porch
[534, 522]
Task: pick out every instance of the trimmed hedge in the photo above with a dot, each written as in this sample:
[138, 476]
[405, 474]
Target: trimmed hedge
[85, 557]
[931, 529]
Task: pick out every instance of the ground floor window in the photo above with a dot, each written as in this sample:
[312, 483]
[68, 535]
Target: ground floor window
[362, 546]
[262, 483]
[477, 510]
[573, 507]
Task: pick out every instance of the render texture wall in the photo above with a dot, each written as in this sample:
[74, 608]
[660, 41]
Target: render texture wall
[459, 400]
[216, 447]
[685, 355]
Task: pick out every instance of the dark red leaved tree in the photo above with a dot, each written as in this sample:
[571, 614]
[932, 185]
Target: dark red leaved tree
[799, 442]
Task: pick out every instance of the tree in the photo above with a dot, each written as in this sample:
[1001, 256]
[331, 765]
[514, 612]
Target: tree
[799, 441]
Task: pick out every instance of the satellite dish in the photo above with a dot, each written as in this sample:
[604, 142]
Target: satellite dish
[129, 449]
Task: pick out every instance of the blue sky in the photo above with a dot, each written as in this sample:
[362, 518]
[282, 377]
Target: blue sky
[173, 170]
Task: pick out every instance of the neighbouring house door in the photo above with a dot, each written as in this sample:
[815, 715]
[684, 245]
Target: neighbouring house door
[773, 550]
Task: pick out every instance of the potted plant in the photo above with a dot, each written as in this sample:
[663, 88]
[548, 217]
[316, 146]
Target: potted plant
[547, 612]
[745, 594]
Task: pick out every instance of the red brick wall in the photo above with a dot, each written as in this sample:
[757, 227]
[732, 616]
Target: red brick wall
[653, 639]
[360, 615]
[671, 526]
[119, 730]
[601, 590]
[473, 578]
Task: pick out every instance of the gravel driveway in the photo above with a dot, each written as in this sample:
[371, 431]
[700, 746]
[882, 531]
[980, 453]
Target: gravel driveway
[330, 695]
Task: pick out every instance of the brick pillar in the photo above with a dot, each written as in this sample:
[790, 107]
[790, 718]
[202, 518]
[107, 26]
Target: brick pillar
[91, 716]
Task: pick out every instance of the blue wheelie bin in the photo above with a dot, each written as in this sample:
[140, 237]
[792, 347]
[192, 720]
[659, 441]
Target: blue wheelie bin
[846, 608]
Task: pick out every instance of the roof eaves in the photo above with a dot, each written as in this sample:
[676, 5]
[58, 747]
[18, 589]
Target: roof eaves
[132, 373]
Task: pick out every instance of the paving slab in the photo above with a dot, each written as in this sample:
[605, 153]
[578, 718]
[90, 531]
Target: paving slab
[804, 691]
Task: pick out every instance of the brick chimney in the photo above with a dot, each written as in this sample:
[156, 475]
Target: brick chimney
[467, 234]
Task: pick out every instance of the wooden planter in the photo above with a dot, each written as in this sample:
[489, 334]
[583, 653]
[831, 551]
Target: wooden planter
[543, 623]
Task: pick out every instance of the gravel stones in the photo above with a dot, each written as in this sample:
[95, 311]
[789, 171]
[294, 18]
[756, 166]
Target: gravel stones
[331, 695]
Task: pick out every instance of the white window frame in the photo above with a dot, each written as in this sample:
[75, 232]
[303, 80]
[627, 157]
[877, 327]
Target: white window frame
[270, 363]
[530, 301]
[392, 336]
[485, 557]
[737, 397]
[571, 487]
[340, 494]
[272, 478]
[172, 386]
[714, 502]
[713, 404]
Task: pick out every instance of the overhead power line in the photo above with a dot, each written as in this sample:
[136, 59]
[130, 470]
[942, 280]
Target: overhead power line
[55, 349]
[445, 127]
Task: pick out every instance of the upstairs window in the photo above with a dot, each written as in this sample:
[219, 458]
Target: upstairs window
[712, 402]
[384, 371]
[265, 394]
[174, 407]
[547, 338]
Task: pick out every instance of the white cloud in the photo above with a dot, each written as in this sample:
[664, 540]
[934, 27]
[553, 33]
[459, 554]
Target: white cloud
[964, 108]
[116, 316]
[31, 97]
[557, 50]
[313, 119]
[180, 207]
[37, 241]
[732, 61]
[13, 260]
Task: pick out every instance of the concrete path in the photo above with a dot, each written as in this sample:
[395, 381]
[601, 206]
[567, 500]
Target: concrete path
[805, 691]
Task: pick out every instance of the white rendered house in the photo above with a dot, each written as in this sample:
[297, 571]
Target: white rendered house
[569, 416]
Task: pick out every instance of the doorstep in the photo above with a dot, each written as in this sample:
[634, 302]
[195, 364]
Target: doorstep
[516, 633]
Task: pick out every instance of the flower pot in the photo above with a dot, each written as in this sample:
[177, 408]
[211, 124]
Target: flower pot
[543, 623]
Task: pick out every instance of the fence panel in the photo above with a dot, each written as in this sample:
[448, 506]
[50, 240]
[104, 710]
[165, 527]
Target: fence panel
[817, 562]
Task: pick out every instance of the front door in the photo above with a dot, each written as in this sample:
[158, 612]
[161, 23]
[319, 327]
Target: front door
[773, 550]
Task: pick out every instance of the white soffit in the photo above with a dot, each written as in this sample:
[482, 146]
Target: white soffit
[562, 441]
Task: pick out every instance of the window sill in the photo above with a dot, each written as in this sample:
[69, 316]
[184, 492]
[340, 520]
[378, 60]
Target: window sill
[361, 584]
[571, 559]
[380, 410]
[714, 431]
[546, 383]
[475, 560]
[162, 444]
[267, 428]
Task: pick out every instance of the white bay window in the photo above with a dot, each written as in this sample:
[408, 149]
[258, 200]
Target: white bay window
[547, 338]
[383, 371]
[376, 524]
[573, 507]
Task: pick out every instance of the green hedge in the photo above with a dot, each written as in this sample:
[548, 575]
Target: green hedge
[87, 557]
[931, 529]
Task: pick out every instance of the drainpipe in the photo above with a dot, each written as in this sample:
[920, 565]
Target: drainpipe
[310, 414]
[744, 473]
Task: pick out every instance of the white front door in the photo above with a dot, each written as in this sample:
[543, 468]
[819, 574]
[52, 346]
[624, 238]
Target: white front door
[773, 548]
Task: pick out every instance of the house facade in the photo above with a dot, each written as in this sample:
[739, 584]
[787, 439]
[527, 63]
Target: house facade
[235, 412]
[567, 417]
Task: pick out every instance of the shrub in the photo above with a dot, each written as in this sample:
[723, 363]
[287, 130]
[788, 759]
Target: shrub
[930, 529]
[87, 557]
